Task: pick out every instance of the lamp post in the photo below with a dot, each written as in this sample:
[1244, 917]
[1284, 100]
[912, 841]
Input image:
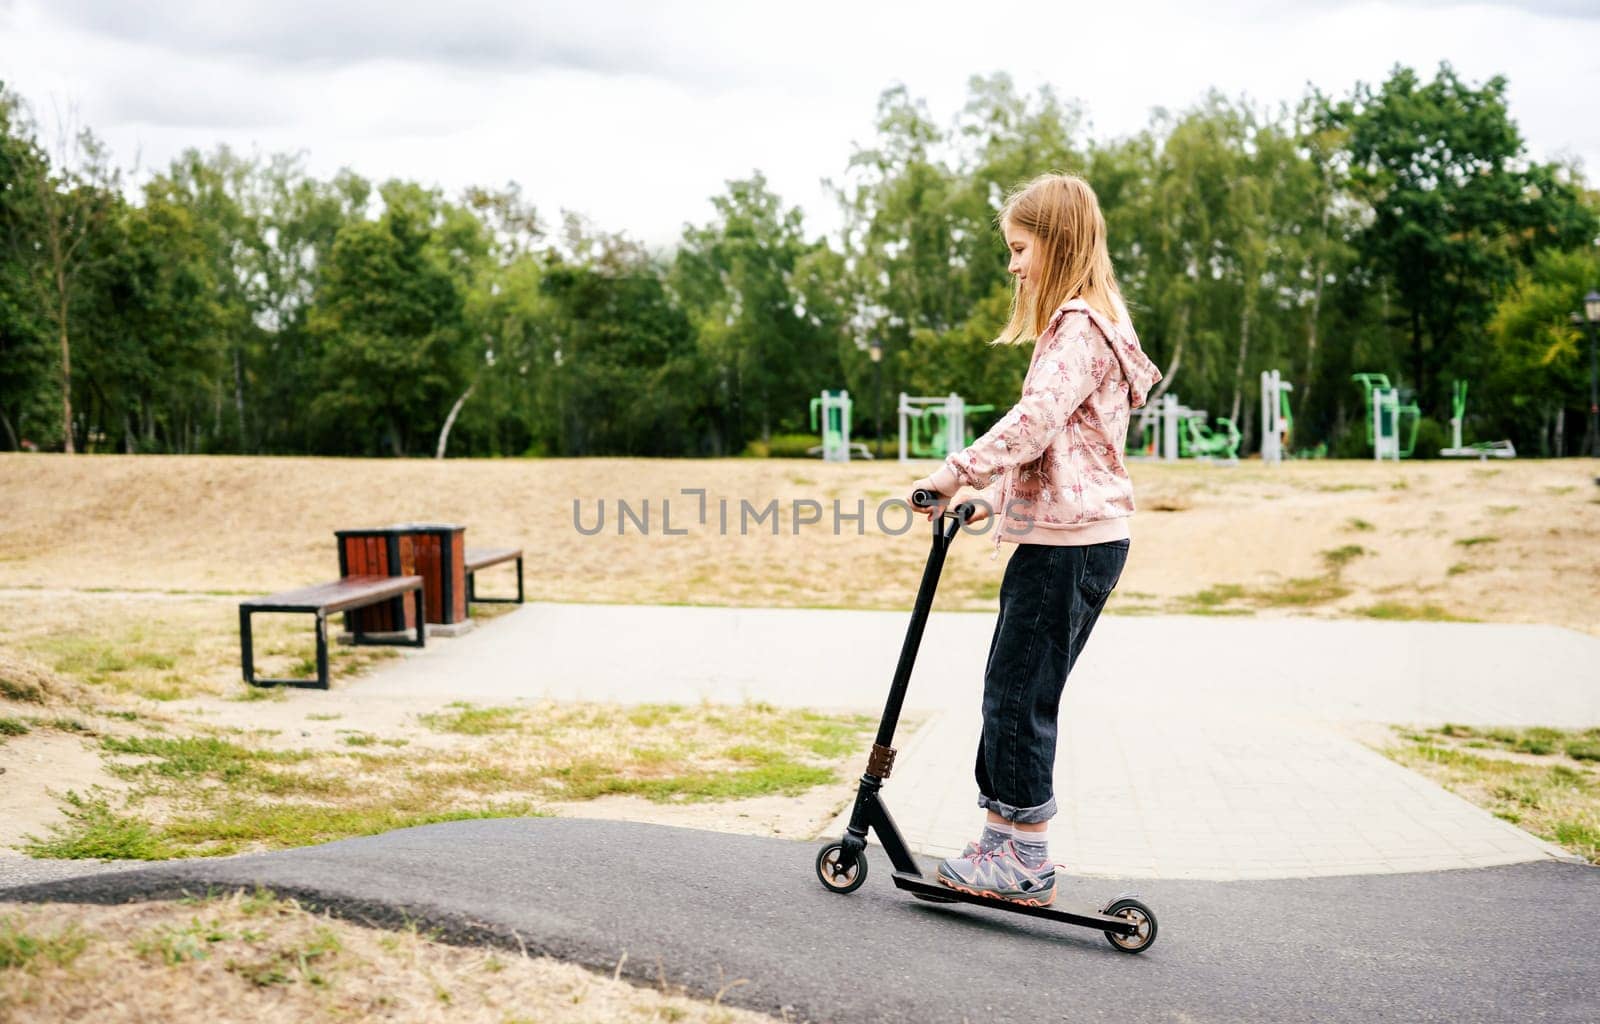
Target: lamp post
[1591, 316]
[875, 350]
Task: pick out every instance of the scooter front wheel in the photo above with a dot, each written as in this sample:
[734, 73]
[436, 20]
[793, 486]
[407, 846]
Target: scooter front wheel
[839, 874]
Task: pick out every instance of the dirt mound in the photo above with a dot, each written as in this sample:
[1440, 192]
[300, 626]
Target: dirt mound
[25, 680]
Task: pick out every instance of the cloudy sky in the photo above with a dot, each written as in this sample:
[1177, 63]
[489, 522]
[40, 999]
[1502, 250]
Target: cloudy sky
[634, 112]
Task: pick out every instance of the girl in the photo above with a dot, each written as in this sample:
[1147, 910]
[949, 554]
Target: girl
[1052, 469]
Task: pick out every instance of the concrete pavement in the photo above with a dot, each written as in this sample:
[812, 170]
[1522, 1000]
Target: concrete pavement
[1190, 747]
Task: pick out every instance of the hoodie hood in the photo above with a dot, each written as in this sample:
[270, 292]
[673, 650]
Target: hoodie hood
[1140, 373]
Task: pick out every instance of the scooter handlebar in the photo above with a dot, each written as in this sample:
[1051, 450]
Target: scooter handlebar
[923, 498]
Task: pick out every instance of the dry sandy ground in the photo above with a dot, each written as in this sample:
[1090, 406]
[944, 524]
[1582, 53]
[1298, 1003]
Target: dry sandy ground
[171, 542]
[249, 525]
[256, 960]
[168, 542]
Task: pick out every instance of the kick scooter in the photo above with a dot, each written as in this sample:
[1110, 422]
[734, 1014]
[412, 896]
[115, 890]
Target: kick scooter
[1128, 924]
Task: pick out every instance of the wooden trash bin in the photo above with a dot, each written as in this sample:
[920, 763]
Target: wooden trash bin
[434, 551]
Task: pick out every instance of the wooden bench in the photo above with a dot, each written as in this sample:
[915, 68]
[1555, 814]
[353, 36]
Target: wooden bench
[323, 600]
[479, 558]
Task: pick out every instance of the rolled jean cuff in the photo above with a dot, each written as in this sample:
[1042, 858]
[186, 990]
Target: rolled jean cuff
[1025, 815]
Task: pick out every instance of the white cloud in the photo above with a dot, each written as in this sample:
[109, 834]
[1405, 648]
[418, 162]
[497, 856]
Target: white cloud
[635, 113]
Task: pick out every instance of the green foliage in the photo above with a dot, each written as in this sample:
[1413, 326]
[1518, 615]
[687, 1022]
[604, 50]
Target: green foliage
[1539, 361]
[784, 446]
[1455, 212]
[239, 304]
[1431, 437]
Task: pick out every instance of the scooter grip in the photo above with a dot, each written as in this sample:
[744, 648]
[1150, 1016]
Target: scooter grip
[924, 499]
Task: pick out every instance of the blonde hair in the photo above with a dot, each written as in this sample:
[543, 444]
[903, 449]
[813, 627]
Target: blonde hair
[1070, 258]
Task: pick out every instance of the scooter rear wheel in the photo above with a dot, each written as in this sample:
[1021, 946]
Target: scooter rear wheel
[835, 874]
[1142, 917]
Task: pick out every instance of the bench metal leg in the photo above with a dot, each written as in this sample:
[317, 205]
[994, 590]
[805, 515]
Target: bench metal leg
[322, 651]
[248, 644]
[247, 647]
[422, 621]
[321, 682]
[472, 589]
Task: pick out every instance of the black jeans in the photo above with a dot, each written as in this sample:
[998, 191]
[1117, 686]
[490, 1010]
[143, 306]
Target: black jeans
[1050, 599]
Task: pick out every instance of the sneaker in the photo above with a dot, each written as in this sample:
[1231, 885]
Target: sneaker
[1000, 874]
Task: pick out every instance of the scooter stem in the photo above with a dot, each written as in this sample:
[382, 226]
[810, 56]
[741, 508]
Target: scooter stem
[945, 527]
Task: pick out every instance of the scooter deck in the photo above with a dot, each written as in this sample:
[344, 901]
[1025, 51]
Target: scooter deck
[937, 893]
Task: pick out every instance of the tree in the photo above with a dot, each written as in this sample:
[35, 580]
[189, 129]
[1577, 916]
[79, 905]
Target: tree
[1539, 369]
[736, 276]
[25, 359]
[1456, 208]
[389, 320]
[626, 377]
[72, 203]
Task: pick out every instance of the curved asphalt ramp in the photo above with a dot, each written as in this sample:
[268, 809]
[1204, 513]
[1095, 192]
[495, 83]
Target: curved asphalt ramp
[706, 909]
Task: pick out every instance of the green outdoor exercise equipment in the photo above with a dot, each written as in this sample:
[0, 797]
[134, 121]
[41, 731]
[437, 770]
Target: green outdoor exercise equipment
[933, 428]
[833, 409]
[1199, 441]
[1384, 413]
[1277, 422]
[1481, 450]
[1166, 429]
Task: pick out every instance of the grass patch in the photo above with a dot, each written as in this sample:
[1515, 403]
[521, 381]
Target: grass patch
[214, 795]
[469, 720]
[13, 727]
[1302, 592]
[166, 650]
[1214, 598]
[1472, 542]
[774, 775]
[1400, 611]
[93, 831]
[21, 949]
[1339, 557]
[1541, 779]
[1358, 525]
[248, 694]
[1460, 567]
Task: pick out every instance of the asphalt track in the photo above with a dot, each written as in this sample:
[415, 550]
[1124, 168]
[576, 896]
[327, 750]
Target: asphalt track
[705, 909]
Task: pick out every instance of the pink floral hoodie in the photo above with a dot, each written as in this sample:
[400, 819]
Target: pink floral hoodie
[1052, 467]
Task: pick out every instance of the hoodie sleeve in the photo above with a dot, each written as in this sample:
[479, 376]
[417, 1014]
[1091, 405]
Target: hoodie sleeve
[1072, 364]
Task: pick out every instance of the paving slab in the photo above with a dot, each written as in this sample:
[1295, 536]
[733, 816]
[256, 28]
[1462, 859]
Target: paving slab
[1190, 747]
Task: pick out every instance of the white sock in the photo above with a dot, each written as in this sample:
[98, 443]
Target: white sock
[1033, 847]
[994, 835]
